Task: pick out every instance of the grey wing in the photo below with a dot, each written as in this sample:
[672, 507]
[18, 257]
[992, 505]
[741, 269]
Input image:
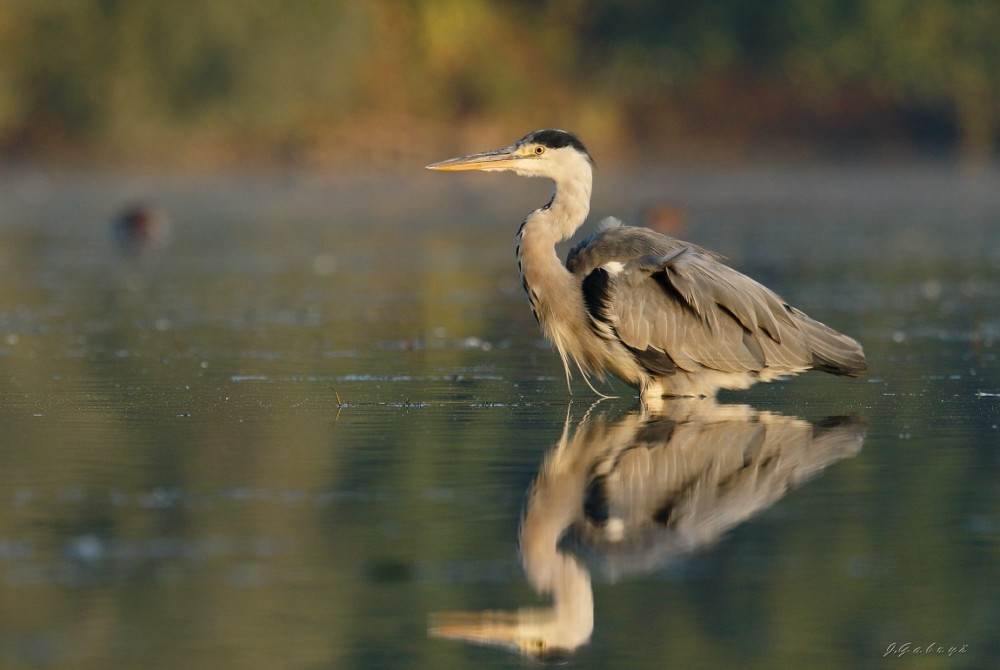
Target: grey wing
[675, 305]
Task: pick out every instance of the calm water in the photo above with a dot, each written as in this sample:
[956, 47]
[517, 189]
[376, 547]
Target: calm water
[302, 431]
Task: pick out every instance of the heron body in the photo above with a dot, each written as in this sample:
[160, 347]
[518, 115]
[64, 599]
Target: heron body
[666, 316]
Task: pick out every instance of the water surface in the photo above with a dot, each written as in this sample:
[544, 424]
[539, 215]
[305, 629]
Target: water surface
[302, 429]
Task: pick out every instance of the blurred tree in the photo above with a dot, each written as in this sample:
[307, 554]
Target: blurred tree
[116, 74]
[276, 79]
[915, 53]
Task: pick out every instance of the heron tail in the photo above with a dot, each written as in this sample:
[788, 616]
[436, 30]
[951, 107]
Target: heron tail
[833, 352]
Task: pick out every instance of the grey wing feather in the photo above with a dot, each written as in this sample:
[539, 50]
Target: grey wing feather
[679, 299]
[607, 223]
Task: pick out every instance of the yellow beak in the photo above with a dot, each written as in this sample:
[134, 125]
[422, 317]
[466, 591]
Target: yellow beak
[498, 159]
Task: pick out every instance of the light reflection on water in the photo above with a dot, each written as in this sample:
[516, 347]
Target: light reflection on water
[308, 417]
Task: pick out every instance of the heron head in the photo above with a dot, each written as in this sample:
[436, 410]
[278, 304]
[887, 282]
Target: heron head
[543, 153]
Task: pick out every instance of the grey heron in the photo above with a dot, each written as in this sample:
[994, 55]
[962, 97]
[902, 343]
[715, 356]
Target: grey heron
[667, 317]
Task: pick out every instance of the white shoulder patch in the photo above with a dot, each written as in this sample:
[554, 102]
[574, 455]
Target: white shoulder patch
[609, 222]
[613, 267]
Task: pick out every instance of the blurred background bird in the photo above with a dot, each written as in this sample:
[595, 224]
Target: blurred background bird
[140, 227]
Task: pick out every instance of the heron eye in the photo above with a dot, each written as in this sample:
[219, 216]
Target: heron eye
[539, 150]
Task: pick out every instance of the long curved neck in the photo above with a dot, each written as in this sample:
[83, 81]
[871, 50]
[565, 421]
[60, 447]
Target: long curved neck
[566, 211]
[555, 297]
[543, 229]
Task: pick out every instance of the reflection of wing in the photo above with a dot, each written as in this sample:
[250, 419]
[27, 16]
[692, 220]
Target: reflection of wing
[681, 484]
[639, 490]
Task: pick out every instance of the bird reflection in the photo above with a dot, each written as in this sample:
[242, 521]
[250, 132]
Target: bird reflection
[641, 489]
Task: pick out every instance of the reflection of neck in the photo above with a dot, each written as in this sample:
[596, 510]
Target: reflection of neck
[570, 621]
[552, 508]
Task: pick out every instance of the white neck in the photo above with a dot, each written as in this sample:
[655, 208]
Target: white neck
[553, 292]
[567, 210]
[547, 226]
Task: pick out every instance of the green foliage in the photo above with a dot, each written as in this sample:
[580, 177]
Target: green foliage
[122, 72]
[917, 53]
[131, 77]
